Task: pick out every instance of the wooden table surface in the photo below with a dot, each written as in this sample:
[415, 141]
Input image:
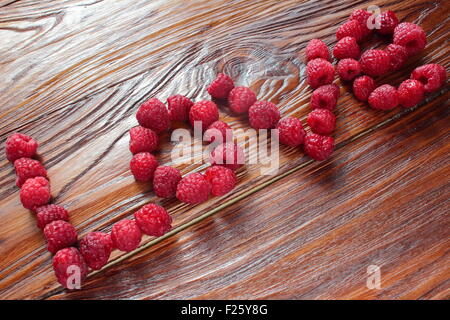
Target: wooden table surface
[73, 74]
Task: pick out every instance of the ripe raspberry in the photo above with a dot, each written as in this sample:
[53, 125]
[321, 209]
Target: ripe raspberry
[142, 140]
[19, 145]
[398, 55]
[375, 62]
[218, 129]
[410, 92]
[153, 114]
[348, 69]
[221, 86]
[59, 234]
[49, 213]
[96, 248]
[143, 166]
[229, 155]
[351, 28]
[347, 47]
[319, 72]
[153, 220]
[204, 111]
[63, 263]
[179, 107]
[126, 235]
[193, 189]
[410, 36]
[263, 115]
[318, 147]
[362, 16]
[28, 168]
[240, 99]
[363, 87]
[290, 131]
[316, 48]
[35, 192]
[222, 180]
[322, 121]
[325, 97]
[384, 97]
[432, 76]
[388, 22]
[165, 181]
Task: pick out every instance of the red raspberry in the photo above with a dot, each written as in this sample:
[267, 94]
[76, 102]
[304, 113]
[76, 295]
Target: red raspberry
[229, 155]
[96, 248]
[348, 69]
[142, 140]
[411, 36]
[222, 180]
[193, 189]
[153, 220]
[384, 97]
[351, 28]
[398, 55]
[153, 114]
[20, 146]
[28, 168]
[204, 111]
[325, 97]
[35, 192]
[50, 212]
[432, 76]
[319, 72]
[165, 181]
[375, 62]
[362, 16]
[388, 22]
[126, 235]
[318, 147]
[218, 129]
[316, 48]
[63, 263]
[410, 92]
[290, 131]
[263, 115]
[347, 47]
[221, 86]
[240, 99]
[179, 107]
[322, 121]
[59, 234]
[363, 87]
[143, 166]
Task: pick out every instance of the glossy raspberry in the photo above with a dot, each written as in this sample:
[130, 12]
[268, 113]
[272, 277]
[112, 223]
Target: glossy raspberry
[28, 168]
[325, 97]
[375, 62]
[179, 107]
[142, 140]
[143, 166]
[35, 192]
[50, 212]
[432, 76]
[153, 220]
[222, 180]
[126, 235]
[318, 147]
[229, 155]
[384, 97]
[263, 115]
[240, 99]
[347, 47]
[398, 55]
[221, 86]
[410, 36]
[193, 189]
[362, 16]
[388, 22]
[96, 248]
[59, 234]
[363, 87]
[165, 181]
[351, 28]
[322, 121]
[220, 130]
[204, 111]
[290, 131]
[348, 69]
[410, 92]
[316, 48]
[64, 263]
[19, 145]
[319, 72]
[153, 114]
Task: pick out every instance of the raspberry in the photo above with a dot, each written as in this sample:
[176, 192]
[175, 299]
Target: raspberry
[153, 220]
[179, 107]
[28, 168]
[221, 86]
[410, 36]
[143, 166]
[318, 147]
[142, 140]
[240, 99]
[325, 97]
[35, 192]
[317, 49]
[410, 92]
[193, 189]
[384, 97]
[263, 115]
[63, 263]
[321, 121]
[59, 234]
[351, 28]
[319, 72]
[126, 235]
[222, 180]
[347, 47]
[363, 87]
[229, 155]
[388, 22]
[50, 212]
[432, 76]
[204, 111]
[19, 145]
[375, 62]
[165, 181]
[348, 69]
[398, 55]
[218, 129]
[290, 131]
[96, 248]
[362, 16]
[153, 114]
